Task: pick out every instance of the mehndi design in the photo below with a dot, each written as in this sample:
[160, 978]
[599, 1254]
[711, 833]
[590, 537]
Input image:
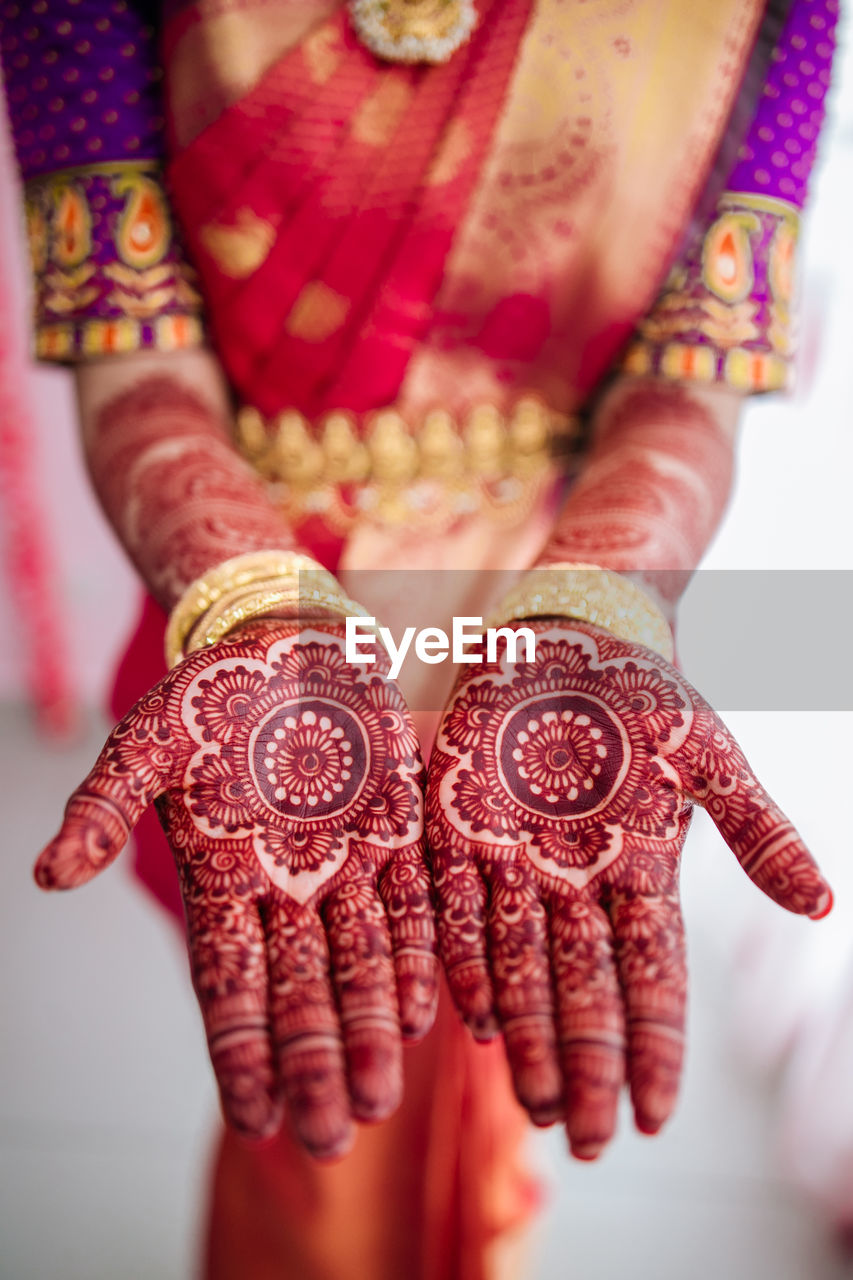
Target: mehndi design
[289, 785]
[558, 802]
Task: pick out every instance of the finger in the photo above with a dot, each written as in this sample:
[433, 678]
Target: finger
[462, 909]
[771, 852]
[650, 952]
[363, 977]
[518, 950]
[135, 765]
[228, 960]
[404, 888]
[306, 1031]
[762, 839]
[590, 1022]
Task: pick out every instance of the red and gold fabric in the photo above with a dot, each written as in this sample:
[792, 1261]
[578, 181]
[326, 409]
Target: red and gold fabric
[403, 263]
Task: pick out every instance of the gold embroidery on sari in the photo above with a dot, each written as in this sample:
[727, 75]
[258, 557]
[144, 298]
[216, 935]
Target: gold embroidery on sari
[611, 121]
[224, 54]
[454, 151]
[322, 51]
[239, 249]
[377, 118]
[317, 313]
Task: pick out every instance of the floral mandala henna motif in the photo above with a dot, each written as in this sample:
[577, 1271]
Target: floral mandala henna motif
[562, 769]
[558, 802]
[303, 762]
[288, 782]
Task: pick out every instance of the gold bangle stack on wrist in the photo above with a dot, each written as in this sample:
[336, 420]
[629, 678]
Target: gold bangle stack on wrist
[251, 586]
[588, 593]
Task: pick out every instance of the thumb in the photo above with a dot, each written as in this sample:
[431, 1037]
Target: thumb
[765, 843]
[93, 833]
[131, 771]
[771, 851]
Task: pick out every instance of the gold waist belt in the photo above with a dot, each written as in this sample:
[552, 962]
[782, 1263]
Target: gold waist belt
[395, 473]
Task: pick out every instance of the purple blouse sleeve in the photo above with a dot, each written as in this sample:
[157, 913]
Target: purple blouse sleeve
[726, 312]
[83, 90]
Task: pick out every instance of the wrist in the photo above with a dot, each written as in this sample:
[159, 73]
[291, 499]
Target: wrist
[590, 593]
[275, 585]
[664, 585]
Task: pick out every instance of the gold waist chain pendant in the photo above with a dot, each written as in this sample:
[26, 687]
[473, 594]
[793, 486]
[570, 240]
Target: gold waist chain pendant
[413, 30]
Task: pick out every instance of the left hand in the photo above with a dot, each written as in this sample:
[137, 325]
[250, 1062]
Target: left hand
[558, 801]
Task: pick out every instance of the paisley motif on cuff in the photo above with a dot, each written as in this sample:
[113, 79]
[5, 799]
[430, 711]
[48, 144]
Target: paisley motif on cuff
[109, 272]
[725, 314]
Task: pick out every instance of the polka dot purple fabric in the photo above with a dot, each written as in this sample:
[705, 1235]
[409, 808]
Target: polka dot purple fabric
[81, 83]
[779, 150]
[82, 87]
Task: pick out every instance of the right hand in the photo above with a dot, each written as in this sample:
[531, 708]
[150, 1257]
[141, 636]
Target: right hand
[289, 785]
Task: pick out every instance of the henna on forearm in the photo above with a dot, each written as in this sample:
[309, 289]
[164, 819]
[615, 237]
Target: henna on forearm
[655, 486]
[177, 494]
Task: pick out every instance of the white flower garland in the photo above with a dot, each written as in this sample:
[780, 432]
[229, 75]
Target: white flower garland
[371, 21]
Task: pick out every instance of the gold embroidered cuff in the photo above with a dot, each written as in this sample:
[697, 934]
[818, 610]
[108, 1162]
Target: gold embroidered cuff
[590, 594]
[110, 274]
[726, 313]
[249, 586]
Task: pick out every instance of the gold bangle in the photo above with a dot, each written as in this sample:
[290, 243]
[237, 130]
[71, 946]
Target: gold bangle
[238, 571]
[255, 603]
[589, 593]
[194, 639]
[299, 583]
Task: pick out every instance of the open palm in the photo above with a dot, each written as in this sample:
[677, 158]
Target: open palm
[289, 786]
[559, 797]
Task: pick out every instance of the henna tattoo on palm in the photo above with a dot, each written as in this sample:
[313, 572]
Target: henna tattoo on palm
[558, 802]
[289, 785]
